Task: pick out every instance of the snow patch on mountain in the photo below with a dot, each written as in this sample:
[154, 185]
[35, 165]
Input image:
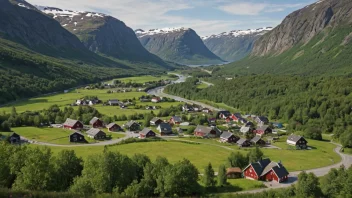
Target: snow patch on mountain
[142, 33]
[239, 33]
[67, 13]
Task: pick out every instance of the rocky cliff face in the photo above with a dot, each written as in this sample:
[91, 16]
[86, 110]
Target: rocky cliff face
[234, 45]
[180, 45]
[304, 24]
[21, 22]
[103, 34]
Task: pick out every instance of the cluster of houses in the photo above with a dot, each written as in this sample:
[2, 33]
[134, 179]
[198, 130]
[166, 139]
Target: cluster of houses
[84, 102]
[154, 99]
[195, 108]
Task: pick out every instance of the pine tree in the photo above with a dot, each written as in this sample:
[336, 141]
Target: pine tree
[209, 176]
[222, 178]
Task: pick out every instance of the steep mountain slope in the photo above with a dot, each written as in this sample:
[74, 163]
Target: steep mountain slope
[103, 34]
[234, 45]
[180, 45]
[311, 41]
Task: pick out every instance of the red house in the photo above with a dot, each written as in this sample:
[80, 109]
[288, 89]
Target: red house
[263, 130]
[266, 170]
[236, 116]
[73, 124]
[96, 122]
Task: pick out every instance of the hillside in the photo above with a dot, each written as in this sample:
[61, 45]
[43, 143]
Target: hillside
[38, 56]
[234, 45]
[103, 34]
[180, 45]
[311, 41]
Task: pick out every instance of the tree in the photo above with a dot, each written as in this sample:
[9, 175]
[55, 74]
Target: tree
[346, 139]
[308, 186]
[67, 166]
[5, 126]
[313, 133]
[237, 160]
[332, 183]
[255, 155]
[141, 160]
[209, 176]
[37, 121]
[222, 178]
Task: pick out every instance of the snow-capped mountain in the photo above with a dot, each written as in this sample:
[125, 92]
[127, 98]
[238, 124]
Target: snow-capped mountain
[180, 45]
[234, 45]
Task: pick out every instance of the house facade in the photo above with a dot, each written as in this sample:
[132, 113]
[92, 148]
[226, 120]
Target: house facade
[206, 132]
[297, 141]
[228, 137]
[155, 121]
[164, 129]
[96, 123]
[96, 134]
[266, 170]
[156, 99]
[242, 142]
[72, 124]
[175, 120]
[77, 137]
[147, 133]
[132, 126]
[263, 130]
[113, 127]
[14, 138]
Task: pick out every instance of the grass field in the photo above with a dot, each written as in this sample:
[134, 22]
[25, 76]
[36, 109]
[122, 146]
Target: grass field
[143, 79]
[202, 86]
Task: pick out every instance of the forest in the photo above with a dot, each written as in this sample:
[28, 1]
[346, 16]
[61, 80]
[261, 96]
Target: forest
[313, 104]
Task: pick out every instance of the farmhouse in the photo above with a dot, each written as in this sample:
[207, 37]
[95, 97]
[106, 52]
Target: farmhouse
[266, 170]
[262, 130]
[132, 126]
[164, 129]
[228, 137]
[114, 102]
[258, 141]
[261, 120]
[146, 133]
[96, 122]
[77, 137]
[224, 114]
[73, 124]
[14, 138]
[96, 134]
[234, 173]
[243, 143]
[113, 127]
[156, 99]
[206, 132]
[155, 121]
[175, 120]
[297, 141]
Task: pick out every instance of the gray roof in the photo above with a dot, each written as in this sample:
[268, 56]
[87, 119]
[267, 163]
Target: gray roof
[256, 139]
[130, 123]
[70, 122]
[278, 168]
[93, 120]
[155, 119]
[145, 131]
[93, 132]
[165, 127]
[244, 129]
[241, 141]
[226, 135]
[294, 138]
[111, 125]
[263, 119]
[203, 129]
[259, 166]
[264, 127]
[77, 132]
[177, 118]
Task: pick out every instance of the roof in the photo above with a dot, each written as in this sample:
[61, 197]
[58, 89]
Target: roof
[177, 118]
[155, 119]
[238, 115]
[203, 129]
[93, 132]
[93, 120]
[77, 132]
[241, 141]
[294, 138]
[165, 127]
[244, 129]
[70, 122]
[111, 125]
[256, 139]
[225, 113]
[263, 128]
[263, 119]
[130, 123]
[114, 101]
[277, 167]
[259, 166]
[226, 135]
[14, 134]
[145, 131]
[233, 170]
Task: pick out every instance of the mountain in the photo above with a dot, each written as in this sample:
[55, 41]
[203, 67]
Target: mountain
[38, 56]
[102, 34]
[311, 41]
[234, 45]
[180, 45]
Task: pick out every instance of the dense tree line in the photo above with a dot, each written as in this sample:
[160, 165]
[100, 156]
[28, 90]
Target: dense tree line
[319, 103]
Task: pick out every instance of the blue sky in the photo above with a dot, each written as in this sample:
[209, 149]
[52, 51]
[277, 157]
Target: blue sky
[206, 17]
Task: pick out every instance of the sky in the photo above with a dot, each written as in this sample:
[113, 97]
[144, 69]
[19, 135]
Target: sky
[206, 17]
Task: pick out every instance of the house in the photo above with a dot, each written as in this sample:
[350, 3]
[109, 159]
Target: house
[212, 121]
[96, 134]
[132, 126]
[96, 122]
[242, 120]
[155, 121]
[146, 133]
[175, 120]
[114, 102]
[228, 137]
[262, 130]
[266, 170]
[243, 142]
[14, 138]
[297, 141]
[223, 114]
[236, 116]
[234, 173]
[164, 129]
[278, 125]
[156, 99]
[245, 129]
[206, 110]
[187, 108]
[249, 124]
[73, 124]
[77, 137]
[258, 141]
[113, 127]
[261, 120]
[206, 132]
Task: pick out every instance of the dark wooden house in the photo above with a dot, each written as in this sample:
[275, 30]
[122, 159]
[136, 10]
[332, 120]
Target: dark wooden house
[234, 173]
[113, 127]
[14, 138]
[297, 141]
[147, 133]
[132, 126]
[164, 129]
[73, 124]
[258, 141]
[77, 137]
[96, 122]
[263, 130]
[206, 132]
[243, 142]
[96, 134]
[228, 137]
[155, 121]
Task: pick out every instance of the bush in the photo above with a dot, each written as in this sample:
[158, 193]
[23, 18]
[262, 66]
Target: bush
[137, 140]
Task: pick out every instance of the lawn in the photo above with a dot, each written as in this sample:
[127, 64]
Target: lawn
[202, 86]
[143, 79]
